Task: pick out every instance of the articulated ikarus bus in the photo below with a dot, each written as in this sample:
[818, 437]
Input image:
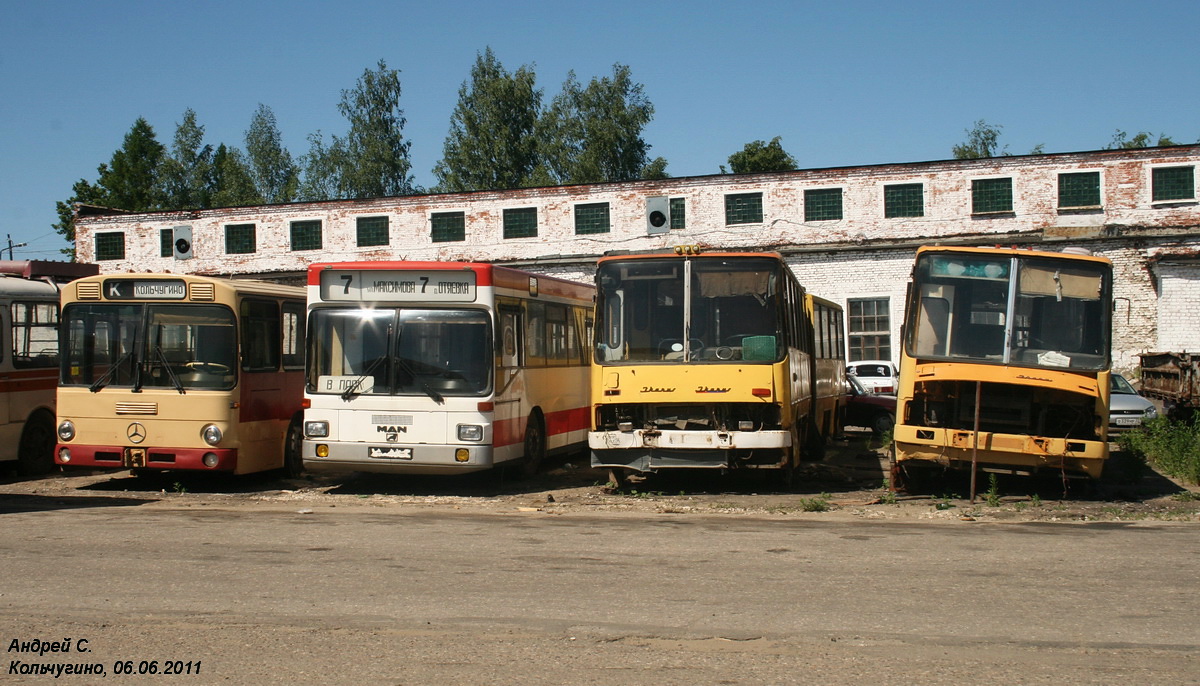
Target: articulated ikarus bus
[173, 372]
[443, 367]
[1005, 362]
[705, 361]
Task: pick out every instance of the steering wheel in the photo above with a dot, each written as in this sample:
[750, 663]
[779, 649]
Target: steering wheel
[208, 367]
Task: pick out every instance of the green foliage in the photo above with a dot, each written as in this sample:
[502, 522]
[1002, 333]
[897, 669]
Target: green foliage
[232, 184]
[593, 134]
[992, 496]
[759, 156]
[187, 174]
[275, 175]
[816, 504]
[1122, 141]
[982, 141]
[376, 155]
[491, 144]
[1172, 447]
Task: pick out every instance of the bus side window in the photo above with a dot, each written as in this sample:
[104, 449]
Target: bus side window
[34, 334]
[535, 334]
[260, 336]
[293, 335]
[508, 337]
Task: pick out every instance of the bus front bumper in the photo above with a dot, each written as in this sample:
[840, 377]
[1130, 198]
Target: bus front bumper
[394, 458]
[648, 451]
[997, 452]
[124, 457]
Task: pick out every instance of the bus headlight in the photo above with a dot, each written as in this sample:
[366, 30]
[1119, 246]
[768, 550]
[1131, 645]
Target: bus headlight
[211, 460]
[316, 429]
[212, 434]
[470, 432]
[64, 454]
[66, 430]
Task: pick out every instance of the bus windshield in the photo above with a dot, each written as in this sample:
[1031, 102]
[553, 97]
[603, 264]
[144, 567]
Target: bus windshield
[1025, 311]
[400, 351]
[135, 345]
[678, 310]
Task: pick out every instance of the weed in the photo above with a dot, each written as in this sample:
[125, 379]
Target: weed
[993, 492]
[1172, 447]
[1021, 506]
[889, 494]
[1035, 500]
[1186, 496]
[179, 488]
[944, 503]
[815, 504]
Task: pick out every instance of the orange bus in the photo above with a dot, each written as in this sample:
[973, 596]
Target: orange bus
[175, 372]
[443, 367]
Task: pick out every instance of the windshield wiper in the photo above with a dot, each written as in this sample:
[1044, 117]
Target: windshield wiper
[162, 357]
[108, 375]
[437, 397]
[351, 391]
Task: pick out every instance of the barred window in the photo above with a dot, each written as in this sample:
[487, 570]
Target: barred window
[991, 195]
[591, 218]
[110, 245]
[166, 242]
[904, 200]
[372, 231]
[1173, 183]
[306, 235]
[520, 222]
[1079, 190]
[678, 213]
[240, 239]
[823, 204]
[447, 226]
[744, 208]
[869, 324]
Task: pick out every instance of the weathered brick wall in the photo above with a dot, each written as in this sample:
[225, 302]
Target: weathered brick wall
[861, 255]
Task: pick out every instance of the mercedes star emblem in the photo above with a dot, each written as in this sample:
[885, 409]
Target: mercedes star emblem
[136, 432]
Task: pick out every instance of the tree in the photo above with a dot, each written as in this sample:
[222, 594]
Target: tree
[594, 134]
[232, 182]
[275, 175]
[131, 179]
[759, 156]
[187, 173]
[322, 166]
[82, 192]
[982, 141]
[491, 144]
[376, 161]
[1122, 141]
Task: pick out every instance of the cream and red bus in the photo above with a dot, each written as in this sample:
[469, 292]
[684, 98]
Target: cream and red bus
[442, 367]
[29, 292]
[176, 372]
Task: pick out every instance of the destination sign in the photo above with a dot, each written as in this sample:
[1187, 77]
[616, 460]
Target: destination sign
[398, 286]
[135, 289]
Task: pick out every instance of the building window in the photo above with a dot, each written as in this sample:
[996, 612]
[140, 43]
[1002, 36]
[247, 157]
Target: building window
[991, 195]
[823, 204]
[448, 226]
[166, 242]
[904, 200]
[678, 213]
[1079, 190]
[591, 218]
[239, 239]
[1173, 183]
[110, 245]
[744, 208]
[306, 235]
[870, 329]
[520, 222]
[372, 231]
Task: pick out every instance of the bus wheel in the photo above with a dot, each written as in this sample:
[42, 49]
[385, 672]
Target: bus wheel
[35, 454]
[293, 463]
[535, 444]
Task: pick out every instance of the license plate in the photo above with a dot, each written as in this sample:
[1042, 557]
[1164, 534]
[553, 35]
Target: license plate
[391, 453]
[1127, 421]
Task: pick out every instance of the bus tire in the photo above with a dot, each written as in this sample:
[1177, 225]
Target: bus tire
[535, 444]
[293, 462]
[35, 453]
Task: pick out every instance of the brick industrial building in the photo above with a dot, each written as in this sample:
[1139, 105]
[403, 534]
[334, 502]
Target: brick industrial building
[848, 232]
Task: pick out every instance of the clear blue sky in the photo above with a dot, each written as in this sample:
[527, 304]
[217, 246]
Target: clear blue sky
[843, 83]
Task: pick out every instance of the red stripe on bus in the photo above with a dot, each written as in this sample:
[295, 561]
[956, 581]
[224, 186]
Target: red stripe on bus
[510, 431]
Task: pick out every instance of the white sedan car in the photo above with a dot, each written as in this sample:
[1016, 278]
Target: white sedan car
[877, 376]
[1126, 409]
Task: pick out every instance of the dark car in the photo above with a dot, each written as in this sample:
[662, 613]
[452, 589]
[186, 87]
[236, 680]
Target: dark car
[870, 410]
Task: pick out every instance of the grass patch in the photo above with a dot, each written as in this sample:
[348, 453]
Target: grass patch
[818, 503]
[1172, 447]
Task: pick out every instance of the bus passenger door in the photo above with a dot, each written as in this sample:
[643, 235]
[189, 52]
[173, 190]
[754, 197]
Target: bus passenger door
[508, 431]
